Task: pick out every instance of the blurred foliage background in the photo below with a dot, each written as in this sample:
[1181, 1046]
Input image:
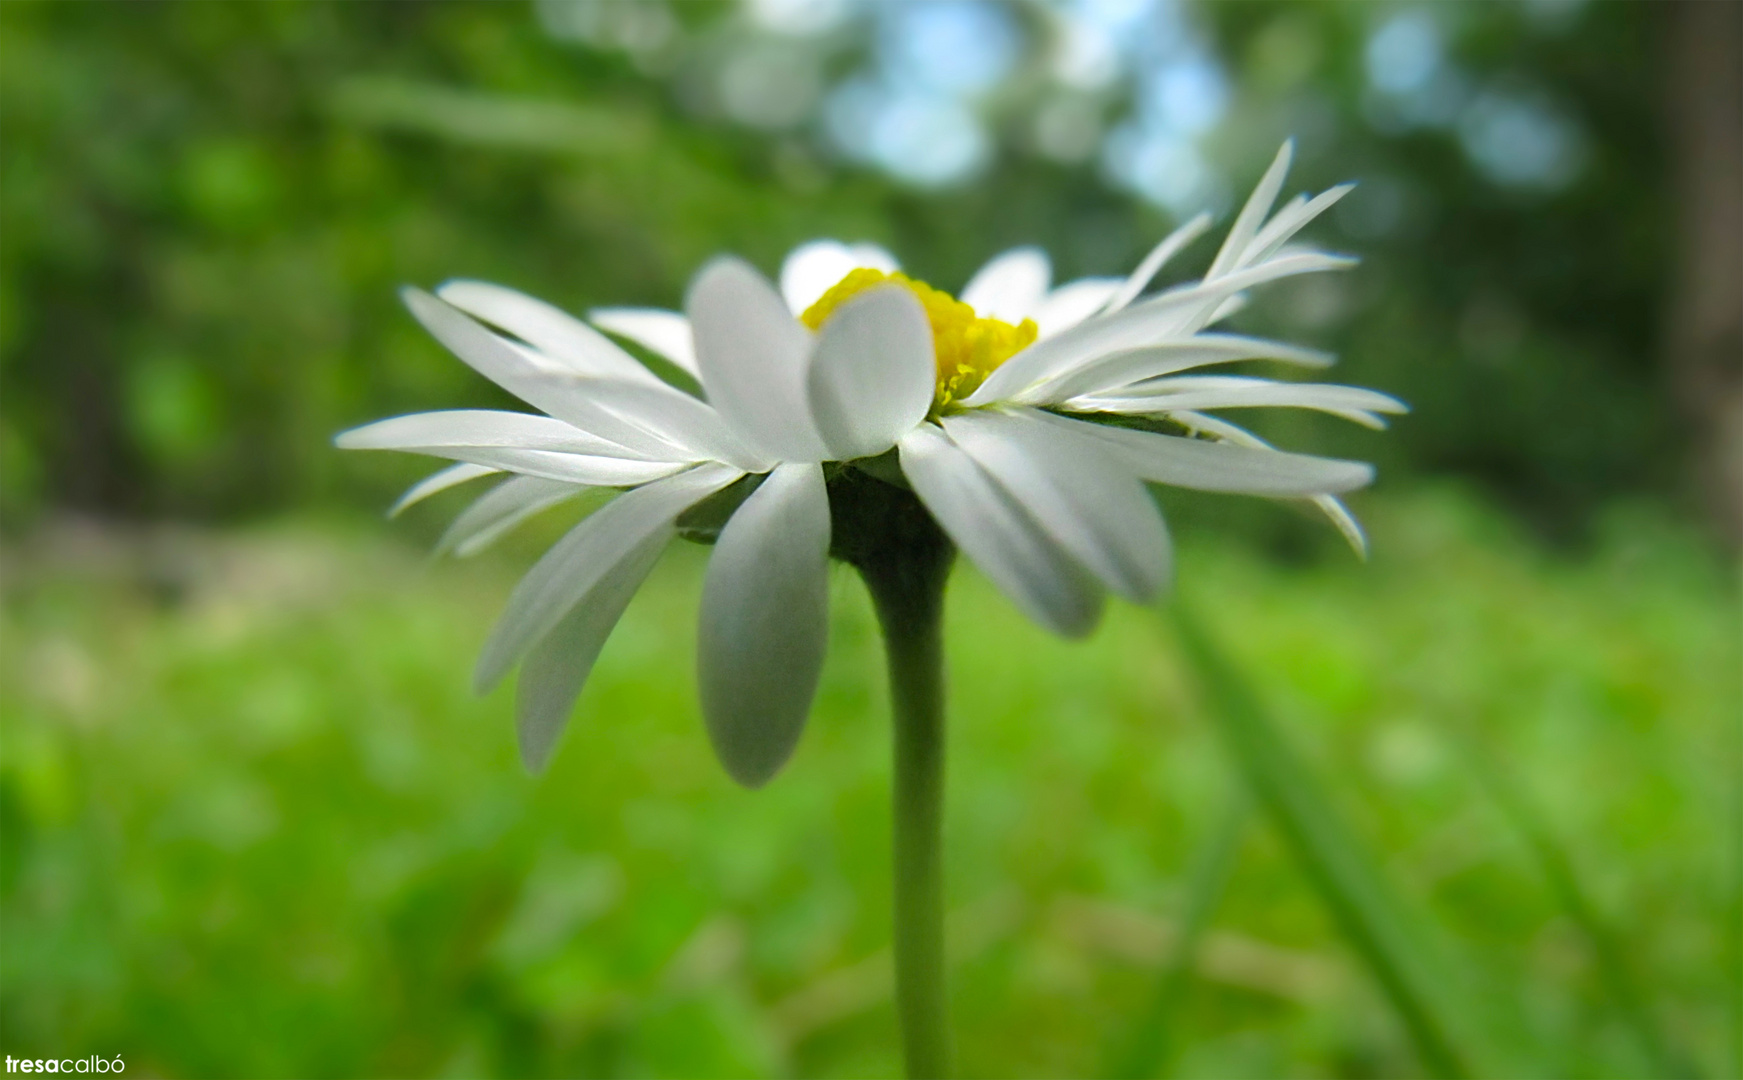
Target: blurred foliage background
[252, 825]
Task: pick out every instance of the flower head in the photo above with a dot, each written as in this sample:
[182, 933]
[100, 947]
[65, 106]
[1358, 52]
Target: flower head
[966, 345]
[1025, 420]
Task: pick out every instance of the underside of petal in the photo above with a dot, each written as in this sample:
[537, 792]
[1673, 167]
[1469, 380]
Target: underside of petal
[495, 513]
[1001, 538]
[1204, 465]
[765, 622]
[1330, 505]
[1086, 501]
[590, 552]
[557, 668]
[438, 482]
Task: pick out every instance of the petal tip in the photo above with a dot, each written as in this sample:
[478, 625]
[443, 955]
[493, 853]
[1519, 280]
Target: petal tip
[486, 675]
[751, 777]
[533, 760]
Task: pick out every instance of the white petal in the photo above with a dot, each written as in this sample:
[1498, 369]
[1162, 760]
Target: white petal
[811, 269]
[692, 426]
[1330, 505]
[438, 482]
[1291, 220]
[1345, 522]
[873, 257]
[474, 427]
[1286, 261]
[1285, 213]
[569, 468]
[522, 372]
[752, 354]
[663, 332]
[589, 553]
[1119, 369]
[999, 535]
[1093, 507]
[496, 512]
[557, 667]
[1171, 245]
[1074, 302]
[1228, 307]
[646, 417]
[551, 330]
[581, 469]
[1196, 393]
[872, 372]
[526, 373]
[639, 418]
[1214, 466]
[1253, 214]
[1171, 314]
[1163, 406]
[765, 623]
[516, 442]
[1010, 286]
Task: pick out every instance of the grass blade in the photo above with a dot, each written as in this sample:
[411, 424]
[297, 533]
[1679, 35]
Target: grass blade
[1335, 861]
[1615, 970]
[1147, 1047]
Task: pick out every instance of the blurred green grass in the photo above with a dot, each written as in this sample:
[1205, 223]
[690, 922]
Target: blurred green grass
[255, 824]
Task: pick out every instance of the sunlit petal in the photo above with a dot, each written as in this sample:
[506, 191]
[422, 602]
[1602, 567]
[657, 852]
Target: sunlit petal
[664, 332]
[872, 373]
[752, 355]
[548, 328]
[1010, 286]
[1216, 466]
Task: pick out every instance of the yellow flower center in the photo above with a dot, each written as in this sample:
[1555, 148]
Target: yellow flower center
[966, 348]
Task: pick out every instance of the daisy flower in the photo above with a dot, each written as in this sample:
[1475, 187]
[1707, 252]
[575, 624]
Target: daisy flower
[1026, 420]
[858, 413]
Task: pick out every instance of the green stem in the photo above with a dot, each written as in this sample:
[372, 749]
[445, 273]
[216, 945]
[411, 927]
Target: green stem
[909, 595]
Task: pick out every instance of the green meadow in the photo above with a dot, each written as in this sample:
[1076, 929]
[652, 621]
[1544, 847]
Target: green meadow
[256, 824]
[1471, 808]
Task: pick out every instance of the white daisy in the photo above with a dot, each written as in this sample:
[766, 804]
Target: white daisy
[1026, 421]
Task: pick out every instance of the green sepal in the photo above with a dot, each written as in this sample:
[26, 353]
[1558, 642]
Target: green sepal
[887, 467]
[1156, 425]
[702, 523]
